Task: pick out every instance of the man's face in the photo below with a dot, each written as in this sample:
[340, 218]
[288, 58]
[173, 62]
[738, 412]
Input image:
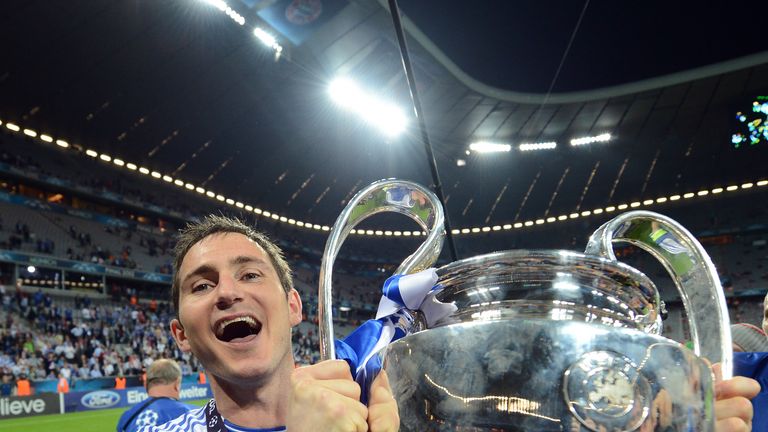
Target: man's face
[765, 314]
[233, 312]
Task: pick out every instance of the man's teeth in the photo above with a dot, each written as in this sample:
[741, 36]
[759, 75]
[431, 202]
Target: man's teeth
[246, 319]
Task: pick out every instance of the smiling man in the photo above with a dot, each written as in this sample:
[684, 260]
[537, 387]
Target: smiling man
[236, 306]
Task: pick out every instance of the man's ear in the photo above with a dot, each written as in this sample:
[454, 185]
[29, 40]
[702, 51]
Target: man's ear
[180, 335]
[294, 307]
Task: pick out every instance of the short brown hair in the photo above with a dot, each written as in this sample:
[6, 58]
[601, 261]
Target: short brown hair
[163, 371]
[216, 224]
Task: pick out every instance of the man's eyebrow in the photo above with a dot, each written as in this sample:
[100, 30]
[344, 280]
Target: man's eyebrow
[203, 269]
[238, 260]
[246, 259]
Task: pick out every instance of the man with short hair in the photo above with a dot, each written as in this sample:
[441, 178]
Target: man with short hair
[765, 314]
[163, 387]
[236, 307]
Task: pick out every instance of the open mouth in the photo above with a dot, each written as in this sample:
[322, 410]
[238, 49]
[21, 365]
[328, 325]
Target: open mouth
[238, 329]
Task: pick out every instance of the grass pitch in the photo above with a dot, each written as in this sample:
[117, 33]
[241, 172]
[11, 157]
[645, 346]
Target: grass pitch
[85, 421]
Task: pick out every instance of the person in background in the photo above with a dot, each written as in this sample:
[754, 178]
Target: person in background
[6, 386]
[120, 381]
[63, 385]
[750, 359]
[23, 386]
[163, 387]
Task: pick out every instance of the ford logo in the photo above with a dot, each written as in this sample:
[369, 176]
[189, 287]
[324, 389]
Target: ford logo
[100, 399]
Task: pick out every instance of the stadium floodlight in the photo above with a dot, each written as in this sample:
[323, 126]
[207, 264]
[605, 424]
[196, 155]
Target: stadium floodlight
[31, 269]
[591, 139]
[62, 143]
[489, 147]
[385, 116]
[91, 153]
[178, 183]
[12, 127]
[461, 162]
[224, 7]
[747, 185]
[268, 40]
[105, 157]
[46, 138]
[156, 175]
[30, 133]
[131, 166]
[538, 146]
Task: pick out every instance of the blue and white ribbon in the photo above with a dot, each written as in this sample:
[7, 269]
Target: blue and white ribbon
[413, 292]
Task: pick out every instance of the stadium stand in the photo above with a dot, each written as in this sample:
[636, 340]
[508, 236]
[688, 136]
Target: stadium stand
[91, 331]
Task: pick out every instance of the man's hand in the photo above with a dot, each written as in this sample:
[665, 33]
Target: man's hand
[325, 398]
[383, 415]
[733, 410]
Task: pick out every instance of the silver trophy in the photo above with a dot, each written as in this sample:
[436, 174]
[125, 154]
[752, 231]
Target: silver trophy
[548, 340]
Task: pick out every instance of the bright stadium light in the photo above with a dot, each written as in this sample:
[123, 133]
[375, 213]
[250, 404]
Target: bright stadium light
[538, 146]
[384, 115]
[489, 147]
[591, 139]
[224, 7]
[268, 40]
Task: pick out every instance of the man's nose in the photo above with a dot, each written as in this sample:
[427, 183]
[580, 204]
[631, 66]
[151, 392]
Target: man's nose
[227, 292]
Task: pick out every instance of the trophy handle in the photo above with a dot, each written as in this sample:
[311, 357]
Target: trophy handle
[389, 195]
[691, 269]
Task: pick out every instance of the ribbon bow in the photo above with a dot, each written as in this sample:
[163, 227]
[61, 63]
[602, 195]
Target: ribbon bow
[415, 292]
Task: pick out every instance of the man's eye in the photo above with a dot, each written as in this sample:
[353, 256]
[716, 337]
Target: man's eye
[251, 276]
[201, 287]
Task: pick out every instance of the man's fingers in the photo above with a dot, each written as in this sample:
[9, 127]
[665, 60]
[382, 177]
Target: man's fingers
[739, 408]
[717, 369]
[346, 388]
[737, 387]
[329, 369]
[733, 425]
[383, 415]
[380, 389]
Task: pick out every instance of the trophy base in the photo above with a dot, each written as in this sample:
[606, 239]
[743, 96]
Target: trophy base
[547, 375]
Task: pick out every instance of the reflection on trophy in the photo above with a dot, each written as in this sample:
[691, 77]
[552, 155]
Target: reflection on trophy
[547, 340]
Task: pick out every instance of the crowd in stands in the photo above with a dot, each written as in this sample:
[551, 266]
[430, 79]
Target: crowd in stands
[43, 336]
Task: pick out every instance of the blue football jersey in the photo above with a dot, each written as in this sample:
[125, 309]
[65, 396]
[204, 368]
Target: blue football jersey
[194, 421]
[158, 412]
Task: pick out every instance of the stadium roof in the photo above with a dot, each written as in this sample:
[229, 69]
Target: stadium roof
[180, 87]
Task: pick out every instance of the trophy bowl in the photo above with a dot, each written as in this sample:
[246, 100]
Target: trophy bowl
[548, 340]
